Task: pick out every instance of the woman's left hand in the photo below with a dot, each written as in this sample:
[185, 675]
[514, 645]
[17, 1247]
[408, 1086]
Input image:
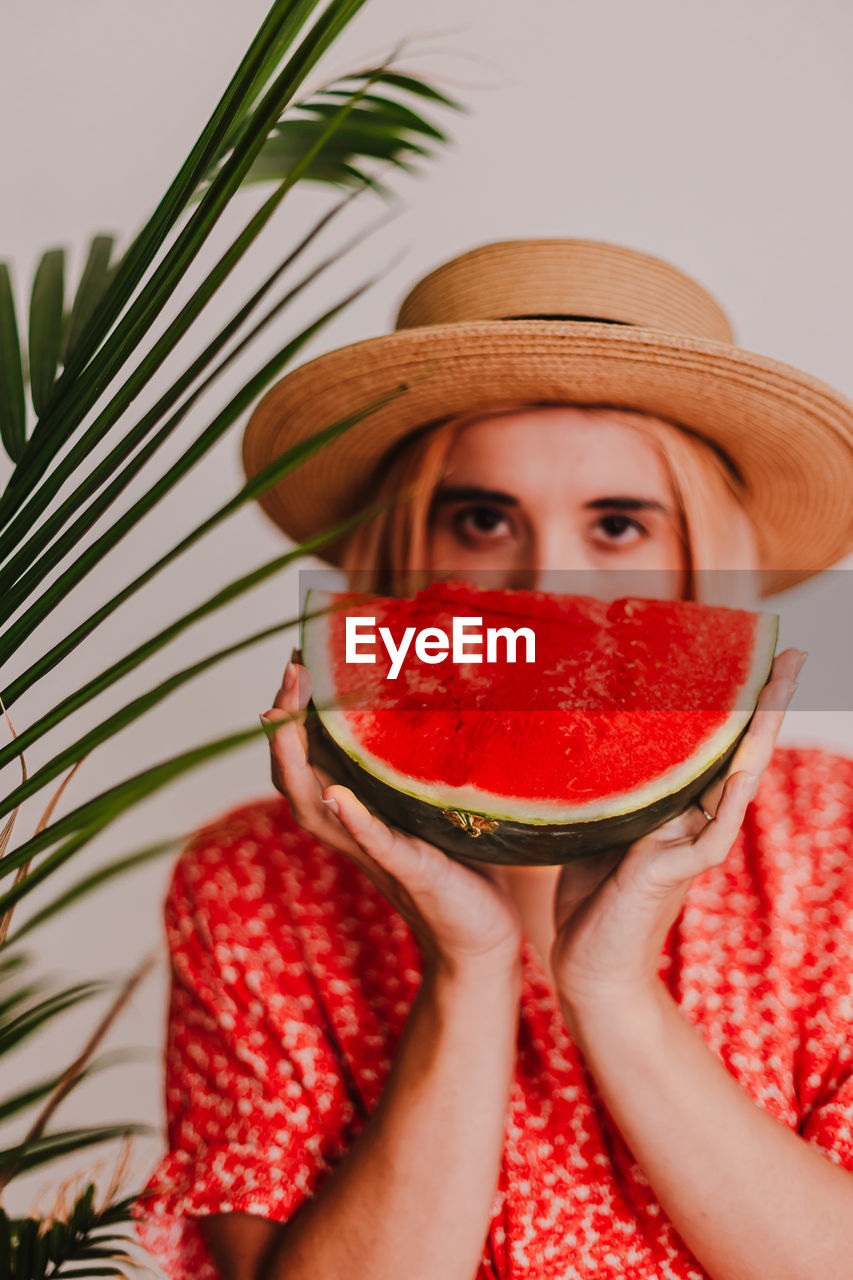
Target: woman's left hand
[612, 914]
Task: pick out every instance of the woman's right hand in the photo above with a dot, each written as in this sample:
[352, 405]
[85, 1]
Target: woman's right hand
[461, 914]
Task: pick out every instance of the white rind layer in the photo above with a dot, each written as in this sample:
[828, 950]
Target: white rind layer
[317, 659]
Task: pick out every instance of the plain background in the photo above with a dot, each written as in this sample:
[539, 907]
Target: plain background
[714, 136]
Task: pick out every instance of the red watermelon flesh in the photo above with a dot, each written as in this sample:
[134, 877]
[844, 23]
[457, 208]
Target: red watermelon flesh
[625, 699]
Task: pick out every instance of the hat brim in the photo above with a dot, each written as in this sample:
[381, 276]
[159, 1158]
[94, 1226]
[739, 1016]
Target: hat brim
[789, 435]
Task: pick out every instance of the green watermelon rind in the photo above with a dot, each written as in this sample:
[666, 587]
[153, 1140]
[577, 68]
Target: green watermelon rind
[526, 831]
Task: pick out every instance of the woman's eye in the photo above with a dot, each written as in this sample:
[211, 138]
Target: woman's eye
[621, 528]
[480, 522]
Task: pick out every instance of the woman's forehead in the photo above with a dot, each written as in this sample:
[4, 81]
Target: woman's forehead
[546, 445]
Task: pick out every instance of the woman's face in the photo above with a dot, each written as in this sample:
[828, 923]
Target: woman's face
[532, 494]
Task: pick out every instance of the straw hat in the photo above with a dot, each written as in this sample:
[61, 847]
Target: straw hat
[574, 322]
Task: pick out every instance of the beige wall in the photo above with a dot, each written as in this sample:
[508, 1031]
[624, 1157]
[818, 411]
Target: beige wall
[717, 136]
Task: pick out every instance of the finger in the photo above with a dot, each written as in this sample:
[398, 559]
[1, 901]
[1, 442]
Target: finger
[789, 663]
[291, 771]
[296, 688]
[289, 706]
[684, 826]
[756, 749]
[294, 777]
[410, 873]
[717, 837]
[304, 689]
[777, 692]
[404, 858]
[286, 718]
[673, 863]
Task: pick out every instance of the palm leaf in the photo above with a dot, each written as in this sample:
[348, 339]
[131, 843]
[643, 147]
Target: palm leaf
[221, 423]
[116, 334]
[282, 22]
[90, 883]
[138, 380]
[24, 572]
[133, 710]
[382, 129]
[270, 475]
[61, 1143]
[47, 812]
[79, 1244]
[35, 1136]
[139, 706]
[67, 412]
[226, 595]
[93, 816]
[411, 84]
[46, 321]
[94, 281]
[22, 996]
[379, 127]
[391, 109]
[18, 1027]
[37, 1146]
[13, 422]
[27, 1098]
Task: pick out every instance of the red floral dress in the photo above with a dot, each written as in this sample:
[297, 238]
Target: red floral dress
[292, 979]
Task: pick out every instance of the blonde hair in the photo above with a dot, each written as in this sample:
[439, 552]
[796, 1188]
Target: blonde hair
[389, 554]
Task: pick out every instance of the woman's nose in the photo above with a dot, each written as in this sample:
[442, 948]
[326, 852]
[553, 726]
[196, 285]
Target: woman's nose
[607, 583]
[556, 561]
[580, 580]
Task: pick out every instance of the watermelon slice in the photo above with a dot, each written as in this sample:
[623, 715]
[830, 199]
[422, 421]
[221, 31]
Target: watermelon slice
[625, 714]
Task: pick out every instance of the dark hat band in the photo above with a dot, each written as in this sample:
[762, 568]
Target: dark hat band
[581, 319]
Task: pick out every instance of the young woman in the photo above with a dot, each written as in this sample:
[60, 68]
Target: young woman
[384, 1062]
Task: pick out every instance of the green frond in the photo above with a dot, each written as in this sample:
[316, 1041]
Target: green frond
[380, 128]
[17, 1027]
[87, 361]
[46, 322]
[79, 1243]
[94, 281]
[13, 418]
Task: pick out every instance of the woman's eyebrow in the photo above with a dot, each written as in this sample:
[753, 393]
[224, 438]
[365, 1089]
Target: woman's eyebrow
[627, 504]
[475, 493]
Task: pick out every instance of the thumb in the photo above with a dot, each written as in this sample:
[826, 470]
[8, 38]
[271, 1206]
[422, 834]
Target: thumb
[396, 854]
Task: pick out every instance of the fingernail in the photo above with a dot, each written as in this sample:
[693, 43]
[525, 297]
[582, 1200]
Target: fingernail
[304, 689]
[265, 720]
[289, 677]
[332, 805]
[801, 661]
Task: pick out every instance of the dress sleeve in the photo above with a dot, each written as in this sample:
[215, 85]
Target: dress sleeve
[259, 1106]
